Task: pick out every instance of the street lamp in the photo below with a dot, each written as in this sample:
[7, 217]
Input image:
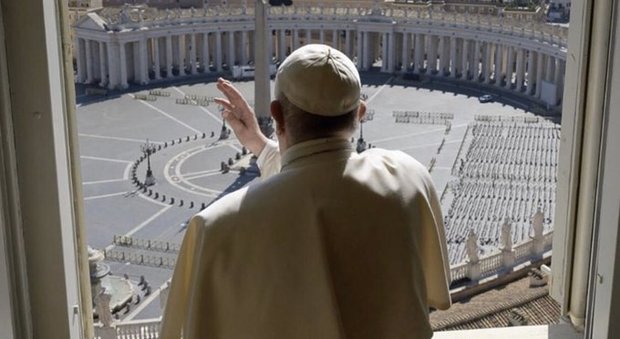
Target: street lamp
[361, 143]
[148, 149]
[225, 132]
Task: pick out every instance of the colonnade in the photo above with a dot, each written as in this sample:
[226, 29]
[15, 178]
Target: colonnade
[116, 59]
[115, 64]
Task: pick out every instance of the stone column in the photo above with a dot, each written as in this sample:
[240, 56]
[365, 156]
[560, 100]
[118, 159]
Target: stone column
[366, 58]
[465, 56]
[384, 51]
[476, 73]
[453, 61]
[406, 37]
[218, 51]
[530, 72]
[231, 49]
[417, 54]
[440, 54]
[498, 65]
[143, 63]
[169, 73]
[391, 51]
[282, 44]
[432, 57]
[156, 59]
[113, 67]
[549, 68]
[445, 55]
[509, 66]
[123, 65]
[102, 65]
[89, 62]
[558, 72]
[347, 43]
[81, 73]
[322, 36]
[295, 33]
[486, 63]
[539, 75]
[192, 53]
[252, 45]
[96, 61]
[335, 39]
[359, 56]
[206, 56]
[559, 77]
[520, 70]
[182, 54]
[244, 46]
[308, 36]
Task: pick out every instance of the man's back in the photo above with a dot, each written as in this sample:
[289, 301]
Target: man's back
[338, 245]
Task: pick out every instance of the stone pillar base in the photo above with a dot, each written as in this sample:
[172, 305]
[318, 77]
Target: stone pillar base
[107, 333]
[508, 259]
[473, 270]
[538, 247]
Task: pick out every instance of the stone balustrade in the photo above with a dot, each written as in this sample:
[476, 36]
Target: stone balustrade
[133, 329]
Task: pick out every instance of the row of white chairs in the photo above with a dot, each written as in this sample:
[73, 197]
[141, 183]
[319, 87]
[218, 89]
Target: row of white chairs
[506, 170]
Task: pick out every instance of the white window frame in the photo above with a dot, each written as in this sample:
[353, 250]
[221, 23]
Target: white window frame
[40, 198]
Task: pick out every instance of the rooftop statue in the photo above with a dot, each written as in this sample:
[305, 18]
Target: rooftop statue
[102, 305]
[124, 15]
[506, 236]
[472, 246]
[537, 223]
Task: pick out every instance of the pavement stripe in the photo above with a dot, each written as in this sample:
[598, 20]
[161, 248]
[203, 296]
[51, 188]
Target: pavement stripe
[105, 196]
[127, 171]
[106, 159]
[168, 115]
[203, 175]
[379, 90]
[117, 138]
[143, 304]
[148, 221]
[103, 181]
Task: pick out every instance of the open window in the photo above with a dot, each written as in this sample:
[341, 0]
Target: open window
[43, 239]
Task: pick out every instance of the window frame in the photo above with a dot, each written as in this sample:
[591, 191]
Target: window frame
[41, 201]
[60, 155]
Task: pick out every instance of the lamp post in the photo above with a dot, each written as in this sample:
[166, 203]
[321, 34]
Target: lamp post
[148, 149]
[361, 143]
[225, 132]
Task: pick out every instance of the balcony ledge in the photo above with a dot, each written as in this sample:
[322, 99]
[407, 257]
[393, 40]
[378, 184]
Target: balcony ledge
[559, 331]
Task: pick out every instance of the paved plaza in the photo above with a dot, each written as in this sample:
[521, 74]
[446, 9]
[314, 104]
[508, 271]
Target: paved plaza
[189, 155]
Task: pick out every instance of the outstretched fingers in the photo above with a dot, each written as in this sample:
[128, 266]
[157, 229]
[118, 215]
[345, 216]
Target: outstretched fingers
[235, 102]
[230, 91]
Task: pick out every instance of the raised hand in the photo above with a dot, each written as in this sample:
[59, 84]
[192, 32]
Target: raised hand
[240, 117]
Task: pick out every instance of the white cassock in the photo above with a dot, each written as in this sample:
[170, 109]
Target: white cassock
[336, 245]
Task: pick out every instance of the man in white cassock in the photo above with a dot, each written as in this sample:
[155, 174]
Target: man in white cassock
[331, 244]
